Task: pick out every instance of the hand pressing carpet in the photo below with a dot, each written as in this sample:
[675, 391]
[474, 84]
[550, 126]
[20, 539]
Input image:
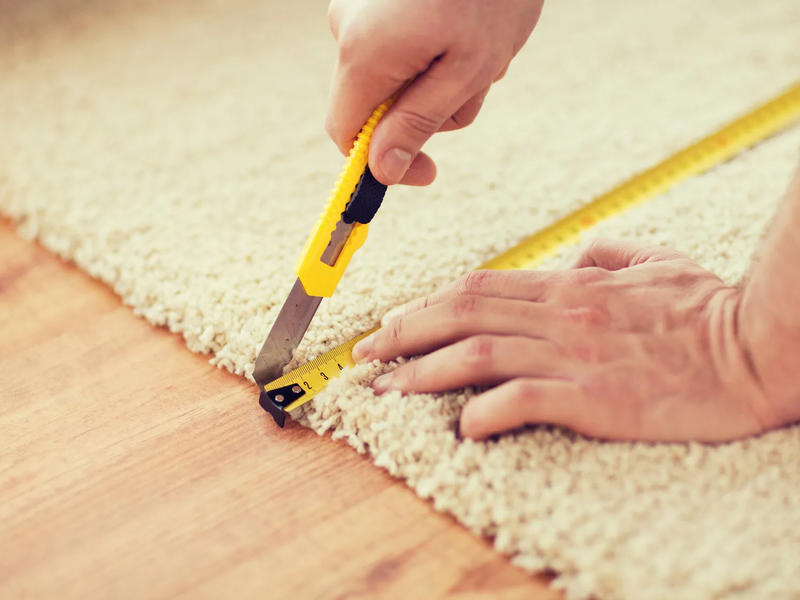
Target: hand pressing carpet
[635, 342]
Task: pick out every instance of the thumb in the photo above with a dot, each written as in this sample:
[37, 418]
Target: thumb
[416, 115]
[613, 255]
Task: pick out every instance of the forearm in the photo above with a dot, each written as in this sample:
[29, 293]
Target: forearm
[769, 316]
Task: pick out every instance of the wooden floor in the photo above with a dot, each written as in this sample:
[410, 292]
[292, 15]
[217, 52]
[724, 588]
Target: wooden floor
[131, 468]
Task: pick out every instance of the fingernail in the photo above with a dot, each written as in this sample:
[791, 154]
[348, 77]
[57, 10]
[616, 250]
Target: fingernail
[362, 350]
[395, 163]
[382, 383]
[392, 314]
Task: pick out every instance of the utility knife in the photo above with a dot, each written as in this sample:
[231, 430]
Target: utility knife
[340, 231]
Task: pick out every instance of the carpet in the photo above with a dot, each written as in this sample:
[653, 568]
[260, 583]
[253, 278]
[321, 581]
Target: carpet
[176, 151]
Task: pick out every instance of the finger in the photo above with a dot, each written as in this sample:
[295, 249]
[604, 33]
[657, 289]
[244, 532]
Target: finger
[613, 255]
[421, 172]
[419, 112]
[527, 401]
[449, 322]
[511, 285]
[480, 360]
[467, 114]
[357, 90]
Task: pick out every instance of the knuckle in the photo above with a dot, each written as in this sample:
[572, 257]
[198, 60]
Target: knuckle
[595, 245]
[410, 374]
[489, 69]
[351, 45]
[589, 316]
[330, 127]
[480, 350]
[583, 352]
[394, 333]
[601, 242]
[334, 131]
[501, 74]
[420, 122]
[413, 306]
[473, 283]
[522, 392]
[464, 307]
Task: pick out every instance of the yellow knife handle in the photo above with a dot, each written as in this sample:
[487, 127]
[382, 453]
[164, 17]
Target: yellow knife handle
[318, 278]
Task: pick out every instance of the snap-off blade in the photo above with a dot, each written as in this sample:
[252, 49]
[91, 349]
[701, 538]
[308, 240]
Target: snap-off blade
[296, 315]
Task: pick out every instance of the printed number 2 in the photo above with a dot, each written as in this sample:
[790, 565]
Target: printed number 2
[308, 385]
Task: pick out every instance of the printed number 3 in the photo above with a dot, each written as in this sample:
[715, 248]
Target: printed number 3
[325, 377]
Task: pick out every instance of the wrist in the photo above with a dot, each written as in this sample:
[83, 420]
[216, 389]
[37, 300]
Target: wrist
[768, 316]
[772, 351]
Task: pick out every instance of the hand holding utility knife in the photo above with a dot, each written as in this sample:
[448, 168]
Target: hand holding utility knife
[339, 232]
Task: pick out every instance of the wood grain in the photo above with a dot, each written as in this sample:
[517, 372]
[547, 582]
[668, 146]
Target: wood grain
[131, 468]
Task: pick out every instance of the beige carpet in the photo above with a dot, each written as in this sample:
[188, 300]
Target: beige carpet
[176, 151]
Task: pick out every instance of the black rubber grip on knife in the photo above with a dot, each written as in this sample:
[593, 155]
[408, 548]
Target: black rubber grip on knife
[366, 199]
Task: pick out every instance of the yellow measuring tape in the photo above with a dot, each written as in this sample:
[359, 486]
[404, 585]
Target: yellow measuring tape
[722, 145]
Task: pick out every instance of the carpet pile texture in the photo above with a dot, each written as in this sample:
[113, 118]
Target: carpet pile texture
[176, 151]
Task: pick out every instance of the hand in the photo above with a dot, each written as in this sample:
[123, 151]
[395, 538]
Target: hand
[634, 342]
[456, 48]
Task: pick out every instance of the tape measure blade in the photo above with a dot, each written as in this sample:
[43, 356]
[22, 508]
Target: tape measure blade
[312, 375]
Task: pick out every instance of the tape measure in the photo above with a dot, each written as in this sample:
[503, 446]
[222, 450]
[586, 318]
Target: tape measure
[307, 381]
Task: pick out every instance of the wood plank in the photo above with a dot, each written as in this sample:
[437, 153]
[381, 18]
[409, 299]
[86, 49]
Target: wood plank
[130, 467]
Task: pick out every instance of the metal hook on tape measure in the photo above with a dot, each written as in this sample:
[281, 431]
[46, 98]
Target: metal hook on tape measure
[275, 401]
